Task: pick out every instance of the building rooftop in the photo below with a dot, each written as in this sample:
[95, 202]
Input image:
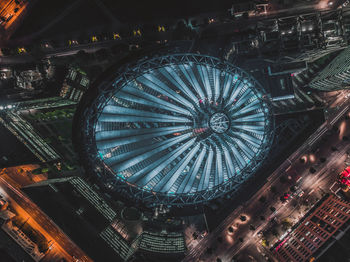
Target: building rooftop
[315, 229]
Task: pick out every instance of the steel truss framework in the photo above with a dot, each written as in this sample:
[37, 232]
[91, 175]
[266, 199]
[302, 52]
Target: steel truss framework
[110, 176]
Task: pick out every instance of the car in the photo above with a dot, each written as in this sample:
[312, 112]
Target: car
[286, 196]
[9, 18]
[298, 193]
[243, 218]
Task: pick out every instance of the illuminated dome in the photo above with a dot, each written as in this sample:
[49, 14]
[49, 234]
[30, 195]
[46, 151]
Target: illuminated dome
[183, 128]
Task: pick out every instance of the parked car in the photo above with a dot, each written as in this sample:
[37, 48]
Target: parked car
[9, 18]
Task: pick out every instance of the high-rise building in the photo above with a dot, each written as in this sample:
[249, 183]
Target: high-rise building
[336, 75]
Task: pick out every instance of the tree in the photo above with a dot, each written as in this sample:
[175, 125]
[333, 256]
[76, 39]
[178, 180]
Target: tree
[312, 170]
[262, 199]
[44, 170]
[274, 232]
[286, 224]
[283, 179]
[243, 218]
[273, 189]
[230, 229]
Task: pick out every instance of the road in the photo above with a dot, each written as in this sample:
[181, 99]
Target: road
[38, 220]
[12, 19]
[313, 184]
[7, 10]
[223, 28]
[21, 176]
[57, 52]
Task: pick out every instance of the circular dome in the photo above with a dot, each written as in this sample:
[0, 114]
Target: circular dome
[181, 127]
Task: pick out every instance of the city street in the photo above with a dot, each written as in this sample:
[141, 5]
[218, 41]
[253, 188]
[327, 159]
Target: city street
[21, 176]
[7, 10]
[12, 13]
[123, 144]
[38, 220]
[312, 175]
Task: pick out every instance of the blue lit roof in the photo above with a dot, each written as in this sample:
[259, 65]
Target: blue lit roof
[183, 126]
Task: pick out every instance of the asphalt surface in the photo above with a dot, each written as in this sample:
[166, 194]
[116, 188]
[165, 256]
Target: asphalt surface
[313, 184]
[61, 242]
